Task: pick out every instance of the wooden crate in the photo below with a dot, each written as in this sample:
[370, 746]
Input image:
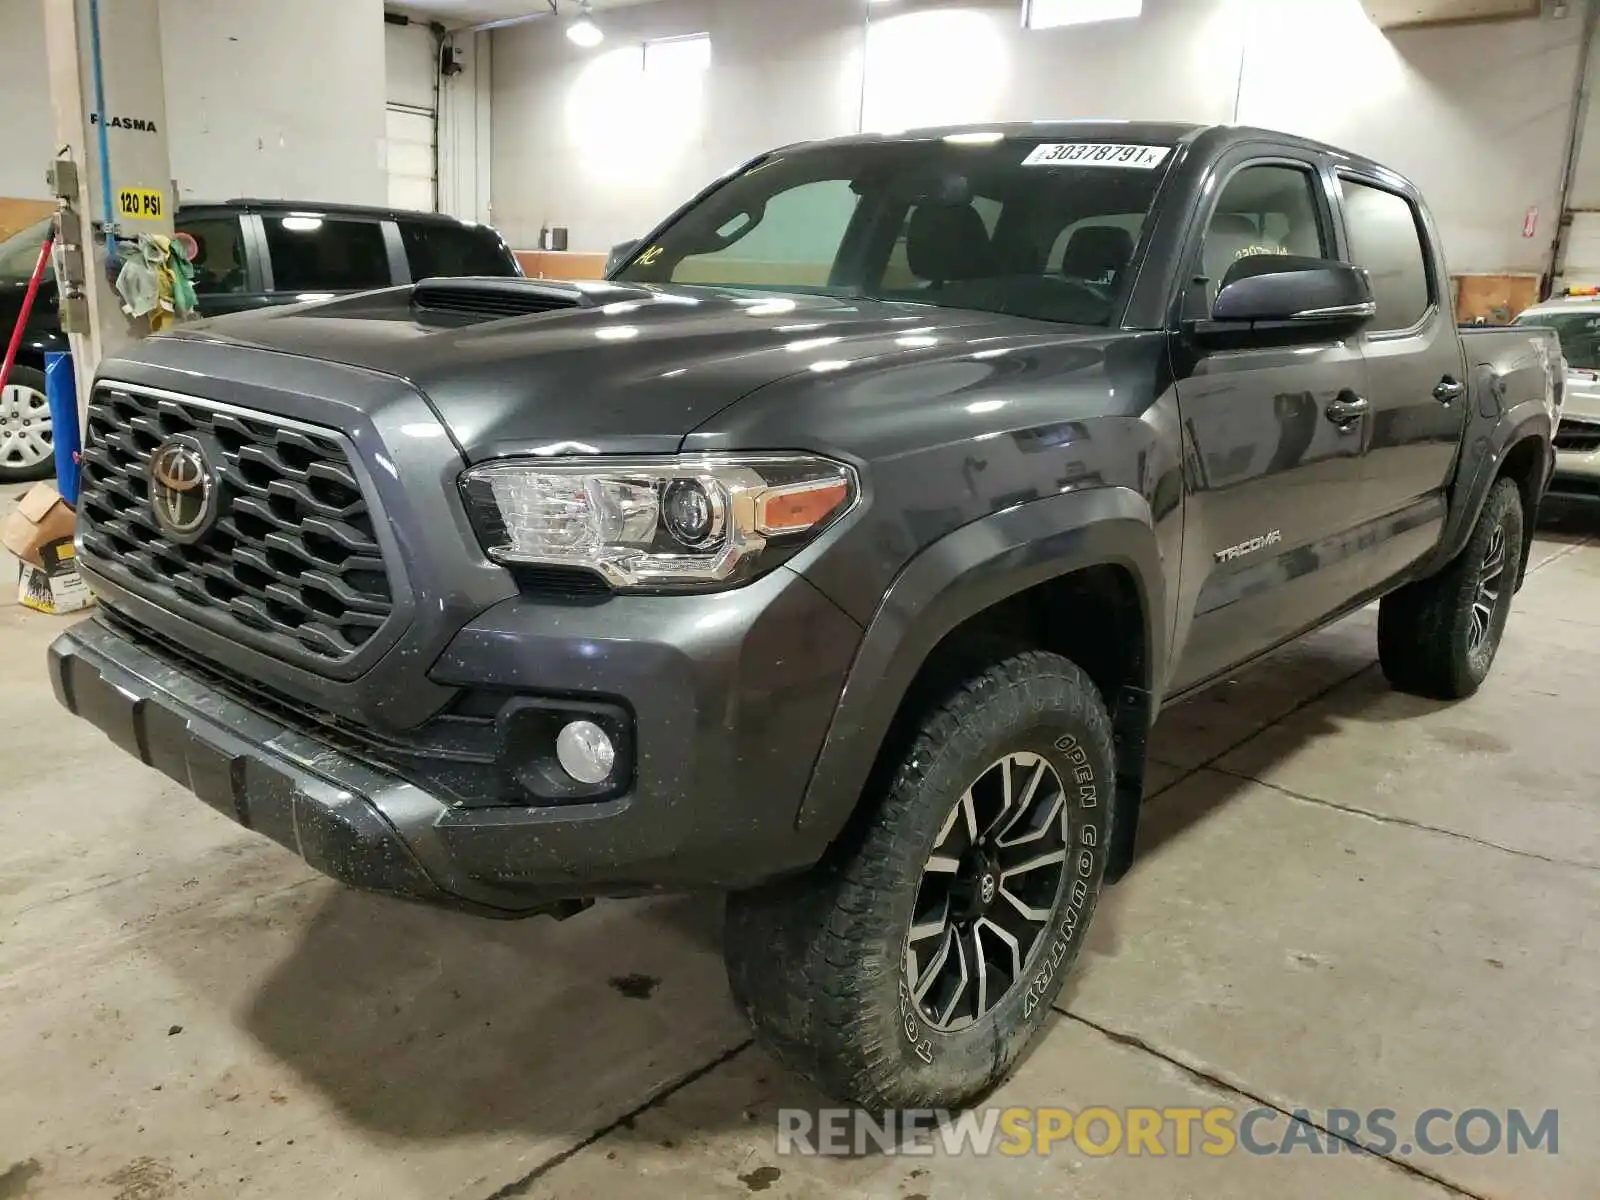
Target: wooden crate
[1495, 298]
[19, 214]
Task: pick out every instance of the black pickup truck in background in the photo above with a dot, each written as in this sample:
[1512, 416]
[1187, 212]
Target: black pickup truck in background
[839, 551]
[251, 254]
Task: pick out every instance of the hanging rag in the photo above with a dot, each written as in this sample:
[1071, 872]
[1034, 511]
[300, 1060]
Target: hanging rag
[156, 280]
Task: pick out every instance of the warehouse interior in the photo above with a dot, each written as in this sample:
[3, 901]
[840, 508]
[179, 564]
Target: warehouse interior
[1350, 908]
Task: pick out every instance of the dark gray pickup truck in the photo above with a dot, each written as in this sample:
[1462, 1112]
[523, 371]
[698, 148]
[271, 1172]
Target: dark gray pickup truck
[838, 552]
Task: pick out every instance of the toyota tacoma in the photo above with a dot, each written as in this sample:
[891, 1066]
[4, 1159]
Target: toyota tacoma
[837, 552]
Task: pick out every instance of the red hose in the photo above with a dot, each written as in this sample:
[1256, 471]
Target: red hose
[27, 309]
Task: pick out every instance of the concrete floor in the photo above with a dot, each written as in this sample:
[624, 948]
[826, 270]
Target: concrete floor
[1345, 898]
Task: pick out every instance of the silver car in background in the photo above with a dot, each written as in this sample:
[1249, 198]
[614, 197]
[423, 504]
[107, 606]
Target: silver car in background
[1576, 319]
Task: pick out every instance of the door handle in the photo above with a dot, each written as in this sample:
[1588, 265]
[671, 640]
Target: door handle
[1449, 388]
[1346, 409]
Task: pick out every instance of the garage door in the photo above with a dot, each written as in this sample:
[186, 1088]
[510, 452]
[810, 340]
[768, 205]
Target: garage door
[412, 98]
[411, 159]
[1581, 263]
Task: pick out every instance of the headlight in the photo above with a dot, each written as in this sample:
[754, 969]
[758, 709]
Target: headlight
[694, 523]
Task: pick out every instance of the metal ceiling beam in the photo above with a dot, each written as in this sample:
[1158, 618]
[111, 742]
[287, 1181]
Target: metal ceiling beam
[508, 22]
[1420, 14]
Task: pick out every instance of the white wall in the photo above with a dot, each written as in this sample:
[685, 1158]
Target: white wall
[282, 100]
[25, 119]
[275, 99]
[1476, 114]
[581, 139]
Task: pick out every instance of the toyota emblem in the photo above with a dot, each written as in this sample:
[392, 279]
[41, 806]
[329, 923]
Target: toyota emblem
[183, 488]
[986, 888]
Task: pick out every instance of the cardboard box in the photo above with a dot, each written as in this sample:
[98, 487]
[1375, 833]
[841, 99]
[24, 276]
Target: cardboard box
[39, 533]
[55, 586]
[40, 519]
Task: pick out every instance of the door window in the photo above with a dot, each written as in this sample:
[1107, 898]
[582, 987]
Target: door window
[1386, 239]
[312, 253]
[220, 265]
[1263, 210]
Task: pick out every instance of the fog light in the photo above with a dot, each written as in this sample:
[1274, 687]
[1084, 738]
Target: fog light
[585, 752]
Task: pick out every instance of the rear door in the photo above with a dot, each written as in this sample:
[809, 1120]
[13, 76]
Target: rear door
[315, 255]
[1275, 507]
[1414, 360]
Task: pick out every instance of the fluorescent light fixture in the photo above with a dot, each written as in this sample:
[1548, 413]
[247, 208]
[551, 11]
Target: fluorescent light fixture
[1051, 14]
[302, 223]
[976, 138]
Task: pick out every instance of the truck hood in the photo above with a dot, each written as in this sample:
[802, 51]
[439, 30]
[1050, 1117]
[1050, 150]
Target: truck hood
[606, 368]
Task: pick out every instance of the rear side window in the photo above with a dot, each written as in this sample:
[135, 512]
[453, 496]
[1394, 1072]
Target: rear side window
[219, 257]
[326, 254]
[1386, 239]
[440, 248]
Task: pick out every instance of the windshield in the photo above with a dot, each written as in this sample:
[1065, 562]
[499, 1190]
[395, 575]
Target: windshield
[20, 252]
[1578, 332]
[1020, 226]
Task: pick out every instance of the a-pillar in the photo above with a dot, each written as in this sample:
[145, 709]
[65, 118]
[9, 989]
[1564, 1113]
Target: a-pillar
[109, 99]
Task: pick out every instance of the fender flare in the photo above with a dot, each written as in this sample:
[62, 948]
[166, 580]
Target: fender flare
[1487, 443]
[956, 578]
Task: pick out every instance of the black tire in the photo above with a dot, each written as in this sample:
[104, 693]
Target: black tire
[822, 964]
[1429, 642]
[11, 472]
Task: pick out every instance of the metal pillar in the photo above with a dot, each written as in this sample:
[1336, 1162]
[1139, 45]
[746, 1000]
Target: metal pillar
[109, 101]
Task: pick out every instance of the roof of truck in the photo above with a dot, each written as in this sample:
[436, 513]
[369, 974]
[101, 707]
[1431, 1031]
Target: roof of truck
[1153, 133]
[320, 208]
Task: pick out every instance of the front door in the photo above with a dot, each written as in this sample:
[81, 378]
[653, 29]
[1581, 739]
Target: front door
[1274, 443]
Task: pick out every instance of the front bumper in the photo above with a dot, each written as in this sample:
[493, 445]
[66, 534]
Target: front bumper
[1577, 475]
[725, 750]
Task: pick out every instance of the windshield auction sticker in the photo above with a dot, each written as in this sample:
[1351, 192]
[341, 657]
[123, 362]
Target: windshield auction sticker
[1097, 154]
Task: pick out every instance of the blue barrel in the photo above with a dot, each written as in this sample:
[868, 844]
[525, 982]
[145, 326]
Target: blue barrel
[61, 390]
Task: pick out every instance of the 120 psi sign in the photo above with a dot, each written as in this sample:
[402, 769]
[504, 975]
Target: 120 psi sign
[141, 204]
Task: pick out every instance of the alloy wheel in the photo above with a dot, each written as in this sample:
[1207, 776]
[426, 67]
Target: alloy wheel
[988, 892]
[25, 434]
[1486, 598]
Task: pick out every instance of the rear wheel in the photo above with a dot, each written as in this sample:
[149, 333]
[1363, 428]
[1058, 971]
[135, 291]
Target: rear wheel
[27, 448]
[913, 967]
[1438, 637]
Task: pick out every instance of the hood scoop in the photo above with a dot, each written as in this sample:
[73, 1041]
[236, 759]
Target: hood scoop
[496, 299]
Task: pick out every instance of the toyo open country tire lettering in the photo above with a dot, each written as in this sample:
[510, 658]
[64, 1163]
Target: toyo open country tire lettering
[987, 849]
[1438, 637]
[26, 449]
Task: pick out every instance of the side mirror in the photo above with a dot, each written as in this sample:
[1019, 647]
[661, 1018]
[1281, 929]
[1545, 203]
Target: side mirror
[1276, 298]
[620, 253]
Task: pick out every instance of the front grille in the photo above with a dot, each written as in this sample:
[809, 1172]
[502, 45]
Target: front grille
[1580, 436]
[292, 564]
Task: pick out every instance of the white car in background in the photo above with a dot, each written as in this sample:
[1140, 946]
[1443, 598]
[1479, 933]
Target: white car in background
[1575, 317]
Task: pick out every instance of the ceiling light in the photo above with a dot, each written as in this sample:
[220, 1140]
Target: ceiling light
[975, 138]
[584, 32]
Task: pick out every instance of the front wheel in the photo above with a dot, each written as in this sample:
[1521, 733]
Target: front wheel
[913, 967]
[27, 448]
[1438, 637]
